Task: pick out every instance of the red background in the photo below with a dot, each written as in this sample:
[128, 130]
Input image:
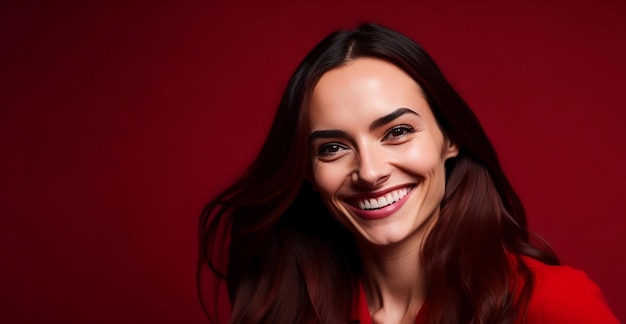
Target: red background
[119, 121]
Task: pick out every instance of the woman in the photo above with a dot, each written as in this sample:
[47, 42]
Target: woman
[377, 197]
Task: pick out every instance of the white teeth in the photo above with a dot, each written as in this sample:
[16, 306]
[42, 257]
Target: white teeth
[383, 201]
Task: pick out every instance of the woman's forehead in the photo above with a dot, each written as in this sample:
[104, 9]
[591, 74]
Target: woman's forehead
[370, 72]
[364, 86]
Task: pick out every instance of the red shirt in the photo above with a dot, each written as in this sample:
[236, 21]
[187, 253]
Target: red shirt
[561, 295]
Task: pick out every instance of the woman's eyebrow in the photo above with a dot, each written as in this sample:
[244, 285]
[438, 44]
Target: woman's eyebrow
[390, 117]
[327, 134]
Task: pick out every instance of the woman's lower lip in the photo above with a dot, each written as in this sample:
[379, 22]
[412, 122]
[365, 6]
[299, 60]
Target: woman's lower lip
[380, 213]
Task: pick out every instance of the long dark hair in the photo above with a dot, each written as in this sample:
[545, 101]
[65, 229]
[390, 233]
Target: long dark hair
[286, 260]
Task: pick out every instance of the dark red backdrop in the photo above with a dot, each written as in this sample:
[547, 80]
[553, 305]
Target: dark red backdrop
[118, 122]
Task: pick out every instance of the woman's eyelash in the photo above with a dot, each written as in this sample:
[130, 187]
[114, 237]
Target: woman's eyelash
[398, 131]
[330, 148]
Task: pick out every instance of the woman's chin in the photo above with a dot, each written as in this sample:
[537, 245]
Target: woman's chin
[383, 237]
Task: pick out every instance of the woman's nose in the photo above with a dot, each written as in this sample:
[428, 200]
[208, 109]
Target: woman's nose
[372, 169]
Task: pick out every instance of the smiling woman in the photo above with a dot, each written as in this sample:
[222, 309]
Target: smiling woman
[377, 197]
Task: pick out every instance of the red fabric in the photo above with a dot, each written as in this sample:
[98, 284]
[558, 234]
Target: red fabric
[561, 295]
[565, 295]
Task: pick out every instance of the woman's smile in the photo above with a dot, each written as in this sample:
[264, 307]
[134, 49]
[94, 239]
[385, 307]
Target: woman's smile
[380, 204]
[381, 201]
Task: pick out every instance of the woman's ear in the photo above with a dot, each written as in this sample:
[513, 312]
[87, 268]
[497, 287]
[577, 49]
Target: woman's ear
[450, 150]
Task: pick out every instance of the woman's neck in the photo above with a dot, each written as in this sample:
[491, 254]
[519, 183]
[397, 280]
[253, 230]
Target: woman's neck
[393, 279]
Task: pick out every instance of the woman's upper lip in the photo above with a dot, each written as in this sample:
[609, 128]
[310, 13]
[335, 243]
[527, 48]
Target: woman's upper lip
[376, 194]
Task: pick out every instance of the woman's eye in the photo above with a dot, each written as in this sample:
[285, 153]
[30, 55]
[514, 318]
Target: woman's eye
[399, 131]
[329, 149]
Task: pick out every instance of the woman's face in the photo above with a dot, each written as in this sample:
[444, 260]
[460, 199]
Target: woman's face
[377, 152]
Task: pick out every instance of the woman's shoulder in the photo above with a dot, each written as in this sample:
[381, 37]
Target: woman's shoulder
[563, 294]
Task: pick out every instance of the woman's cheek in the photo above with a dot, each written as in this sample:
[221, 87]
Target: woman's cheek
[420, 153]
[324, 179]
[329, 176]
